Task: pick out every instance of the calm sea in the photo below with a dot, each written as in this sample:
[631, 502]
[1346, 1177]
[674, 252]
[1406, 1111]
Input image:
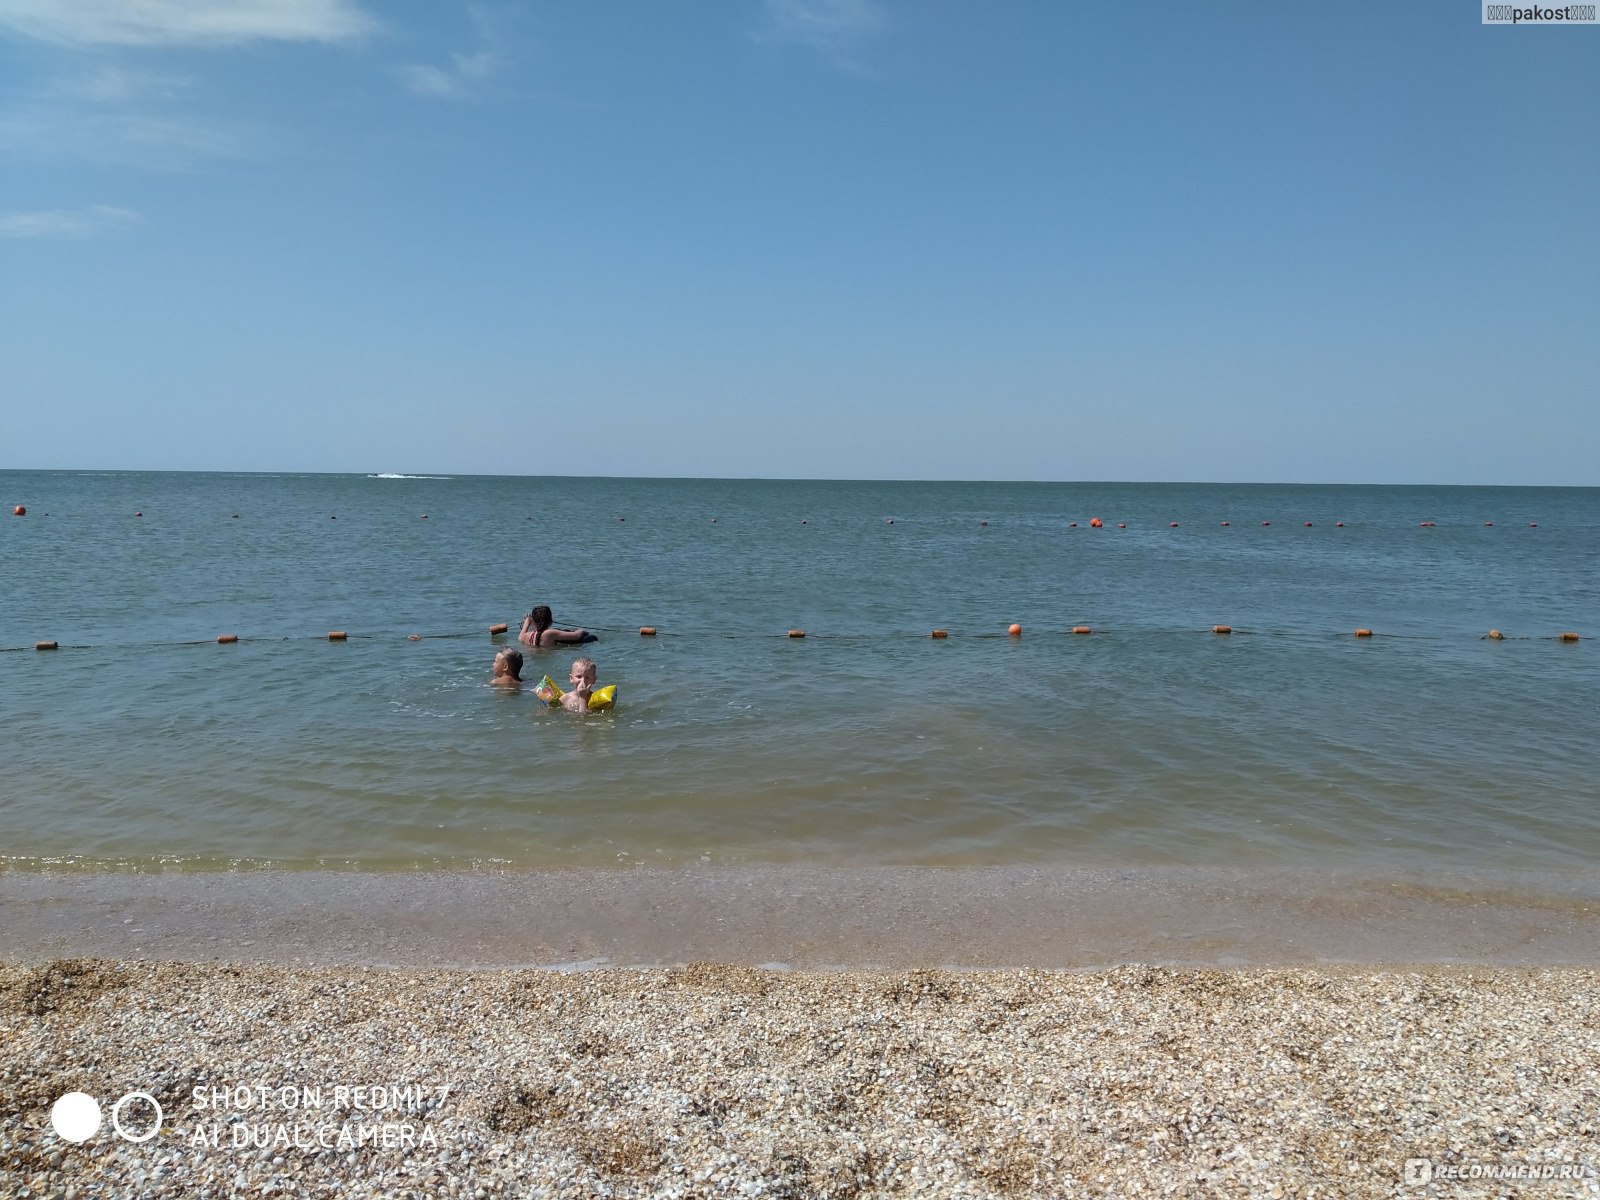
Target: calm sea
[1149, 742]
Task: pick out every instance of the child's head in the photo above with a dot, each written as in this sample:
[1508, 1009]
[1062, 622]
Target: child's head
[583, 672]
[508, 662]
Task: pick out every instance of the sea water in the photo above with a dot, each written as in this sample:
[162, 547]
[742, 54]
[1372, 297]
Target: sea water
[1150, 742]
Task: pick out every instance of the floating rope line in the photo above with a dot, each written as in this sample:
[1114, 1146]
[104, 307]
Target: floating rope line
[1013, 633]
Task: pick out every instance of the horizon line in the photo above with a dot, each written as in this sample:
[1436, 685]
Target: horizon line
[421, 474]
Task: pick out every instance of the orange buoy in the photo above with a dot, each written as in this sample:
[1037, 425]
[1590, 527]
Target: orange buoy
[227, 639]
[1015, 630]
[1494, 635]
[498, 627]
[1081, 629]
[797, 633]
[1363, 633]
[647, 631]
[940, 633]
[20, 510]
[45, 646]
[1222, 629]
[338, 635]
[1095, 522]
[1570, 637]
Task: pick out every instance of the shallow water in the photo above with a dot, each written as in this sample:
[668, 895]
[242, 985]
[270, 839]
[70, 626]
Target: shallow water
[1150, 743]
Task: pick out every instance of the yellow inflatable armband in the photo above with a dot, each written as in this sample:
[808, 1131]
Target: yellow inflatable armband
[599, 700]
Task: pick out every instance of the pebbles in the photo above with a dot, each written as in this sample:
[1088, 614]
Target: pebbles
[725, 1081]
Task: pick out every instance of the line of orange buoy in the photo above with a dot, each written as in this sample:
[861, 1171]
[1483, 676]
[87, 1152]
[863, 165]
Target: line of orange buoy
[1014, 630]
[21, 510]
[1097, 523]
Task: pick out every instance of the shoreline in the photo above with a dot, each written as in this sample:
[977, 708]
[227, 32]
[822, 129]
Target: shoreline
[1333, 1072]
[715, 1080]
[804, 917]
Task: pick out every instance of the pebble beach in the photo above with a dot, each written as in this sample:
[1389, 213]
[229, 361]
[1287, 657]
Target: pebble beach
[707, 1080]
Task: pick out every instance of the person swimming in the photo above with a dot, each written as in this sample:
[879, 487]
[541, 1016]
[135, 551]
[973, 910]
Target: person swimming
[507, 668]
[540, 631]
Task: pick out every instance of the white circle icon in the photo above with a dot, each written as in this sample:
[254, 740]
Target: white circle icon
[75, 1116]
[116, 1117]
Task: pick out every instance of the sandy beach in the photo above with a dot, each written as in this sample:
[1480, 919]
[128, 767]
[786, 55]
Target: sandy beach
[712, 1080]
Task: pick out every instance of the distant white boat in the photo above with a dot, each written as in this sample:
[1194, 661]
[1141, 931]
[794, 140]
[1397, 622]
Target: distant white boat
[392, 475]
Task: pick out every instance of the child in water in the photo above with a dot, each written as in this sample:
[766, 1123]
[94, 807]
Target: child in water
[582, 678]
[507, 668]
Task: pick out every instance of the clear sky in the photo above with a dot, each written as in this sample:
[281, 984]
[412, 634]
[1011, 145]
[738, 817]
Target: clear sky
[1341, 242]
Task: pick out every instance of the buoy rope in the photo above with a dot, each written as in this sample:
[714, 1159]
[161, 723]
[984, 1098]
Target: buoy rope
[941, 634]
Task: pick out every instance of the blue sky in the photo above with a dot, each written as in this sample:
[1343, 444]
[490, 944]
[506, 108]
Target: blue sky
[1348, 242]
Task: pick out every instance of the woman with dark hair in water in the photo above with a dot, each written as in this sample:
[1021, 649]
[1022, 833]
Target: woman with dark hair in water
[538, 630]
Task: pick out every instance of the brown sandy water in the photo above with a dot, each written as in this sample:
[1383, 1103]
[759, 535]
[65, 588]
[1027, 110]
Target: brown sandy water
[803, 917]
